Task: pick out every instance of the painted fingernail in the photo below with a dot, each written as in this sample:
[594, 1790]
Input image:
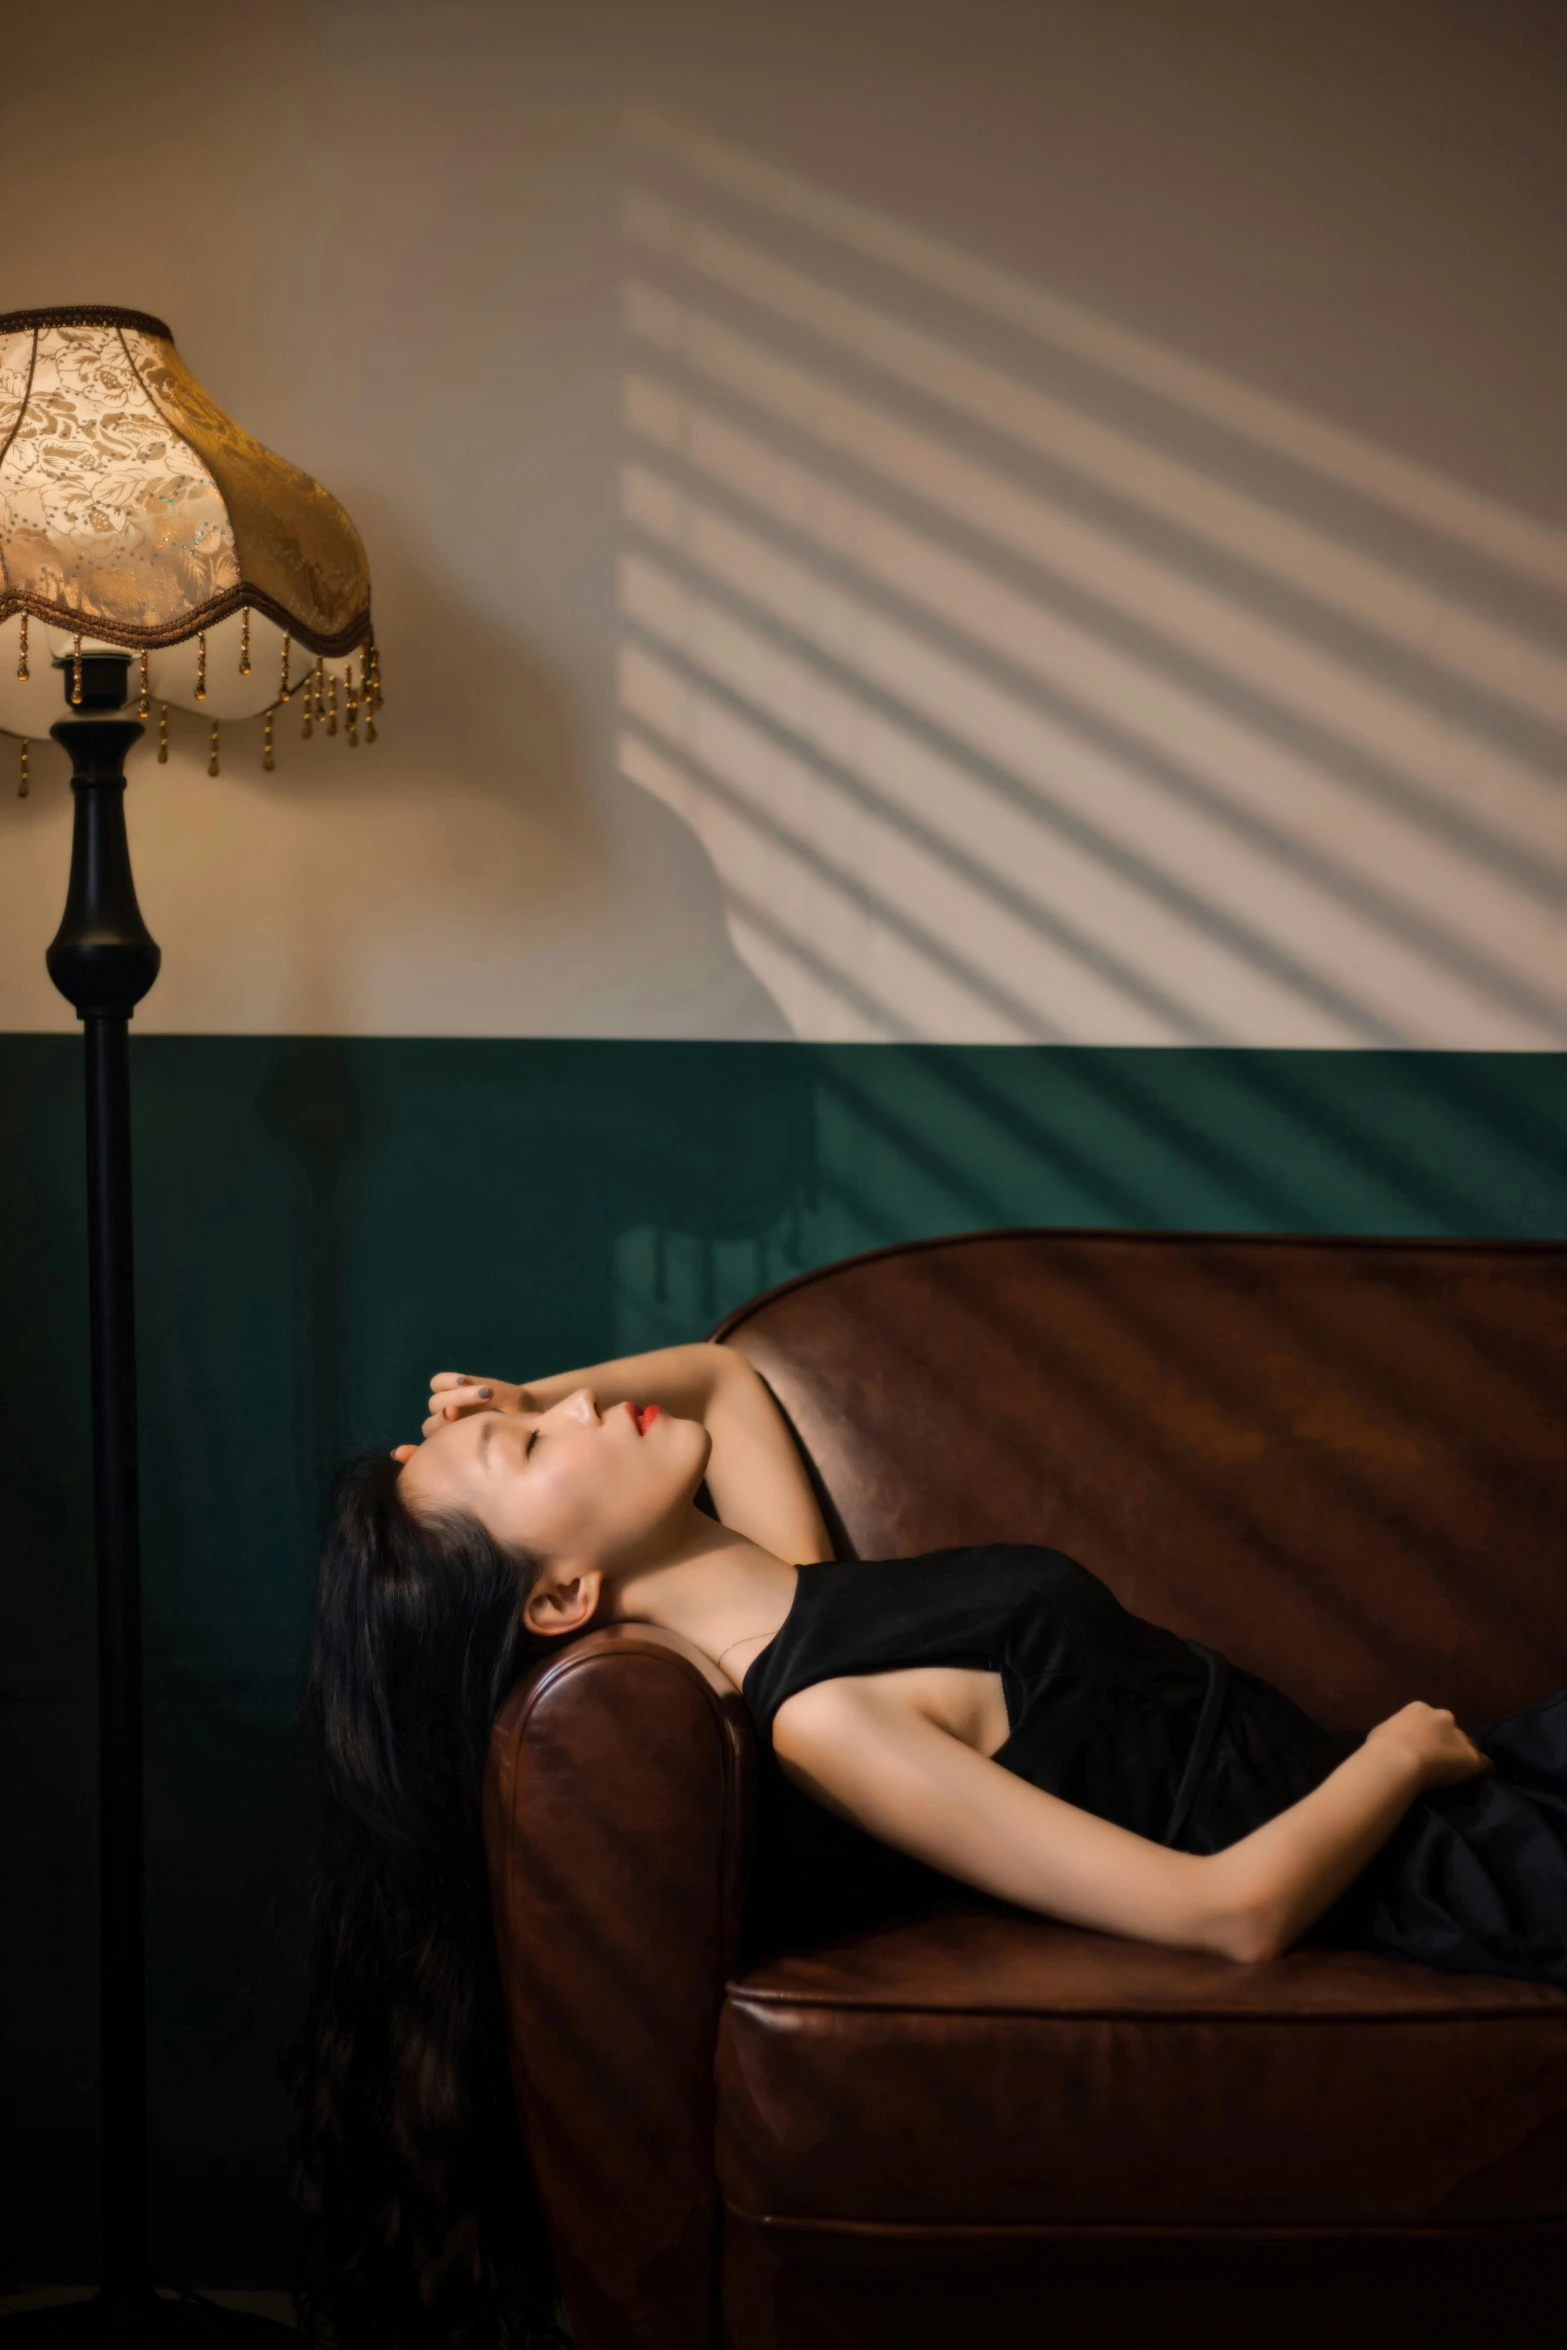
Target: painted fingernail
[486, 1391]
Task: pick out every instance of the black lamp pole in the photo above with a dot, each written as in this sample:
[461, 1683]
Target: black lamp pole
[103, 960]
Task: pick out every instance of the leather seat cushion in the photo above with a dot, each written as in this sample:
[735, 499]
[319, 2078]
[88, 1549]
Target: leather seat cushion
[980, 2067]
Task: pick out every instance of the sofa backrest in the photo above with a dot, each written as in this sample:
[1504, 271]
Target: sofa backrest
[1342, 1462]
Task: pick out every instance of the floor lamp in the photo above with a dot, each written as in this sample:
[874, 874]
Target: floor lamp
[135, 516]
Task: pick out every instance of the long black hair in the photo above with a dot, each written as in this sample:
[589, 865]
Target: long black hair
[424, 2228]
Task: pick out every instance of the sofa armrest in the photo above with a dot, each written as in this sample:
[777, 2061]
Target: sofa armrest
[617, 1817]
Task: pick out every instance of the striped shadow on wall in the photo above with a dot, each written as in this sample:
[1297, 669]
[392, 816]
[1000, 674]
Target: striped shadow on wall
[1027, 681]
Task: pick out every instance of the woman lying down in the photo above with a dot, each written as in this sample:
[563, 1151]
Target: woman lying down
[992, 1713]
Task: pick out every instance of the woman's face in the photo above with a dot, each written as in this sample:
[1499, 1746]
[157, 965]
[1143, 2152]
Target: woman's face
[588, 1492]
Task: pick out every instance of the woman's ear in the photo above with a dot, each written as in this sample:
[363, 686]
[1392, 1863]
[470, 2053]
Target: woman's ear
[568, 1603]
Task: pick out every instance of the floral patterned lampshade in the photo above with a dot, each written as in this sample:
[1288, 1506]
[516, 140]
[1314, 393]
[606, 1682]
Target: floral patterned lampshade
[134, 513]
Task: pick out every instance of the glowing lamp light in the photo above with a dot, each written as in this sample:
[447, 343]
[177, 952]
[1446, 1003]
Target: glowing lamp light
[135, 516]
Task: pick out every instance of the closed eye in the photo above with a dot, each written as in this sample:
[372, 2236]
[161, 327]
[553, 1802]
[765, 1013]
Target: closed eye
[491, 1423]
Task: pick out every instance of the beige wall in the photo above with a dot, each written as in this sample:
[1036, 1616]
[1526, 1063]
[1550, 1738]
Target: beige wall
[959, 521]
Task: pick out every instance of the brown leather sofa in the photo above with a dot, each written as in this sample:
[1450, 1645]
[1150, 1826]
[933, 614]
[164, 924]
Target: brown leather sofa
[1342, 1462]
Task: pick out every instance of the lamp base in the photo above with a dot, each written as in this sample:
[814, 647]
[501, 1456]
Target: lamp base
[144, 2320]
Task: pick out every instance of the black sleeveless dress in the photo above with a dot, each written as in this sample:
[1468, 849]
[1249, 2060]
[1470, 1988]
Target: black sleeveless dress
[1162, 1736]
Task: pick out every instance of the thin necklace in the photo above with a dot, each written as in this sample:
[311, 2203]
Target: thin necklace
[740, 1643]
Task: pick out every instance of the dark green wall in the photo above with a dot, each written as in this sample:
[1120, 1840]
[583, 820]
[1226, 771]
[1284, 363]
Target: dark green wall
[322, 1222]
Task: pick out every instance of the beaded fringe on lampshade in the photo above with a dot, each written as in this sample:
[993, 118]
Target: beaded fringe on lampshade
[135, 513]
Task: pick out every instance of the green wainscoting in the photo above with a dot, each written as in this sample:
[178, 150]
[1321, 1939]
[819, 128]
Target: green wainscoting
[320, 1222]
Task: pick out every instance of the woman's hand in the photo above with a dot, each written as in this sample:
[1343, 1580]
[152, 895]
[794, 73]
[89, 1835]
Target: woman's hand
[454, 1394]
[1282, 1877]
[1428, 1735]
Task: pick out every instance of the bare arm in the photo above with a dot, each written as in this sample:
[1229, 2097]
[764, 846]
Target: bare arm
[755, 1474]
[907, 1781]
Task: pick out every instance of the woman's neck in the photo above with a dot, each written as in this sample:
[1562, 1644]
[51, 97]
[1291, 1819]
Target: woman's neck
[714, 1587]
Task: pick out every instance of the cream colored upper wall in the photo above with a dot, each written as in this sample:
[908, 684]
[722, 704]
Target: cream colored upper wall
[949, 521]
